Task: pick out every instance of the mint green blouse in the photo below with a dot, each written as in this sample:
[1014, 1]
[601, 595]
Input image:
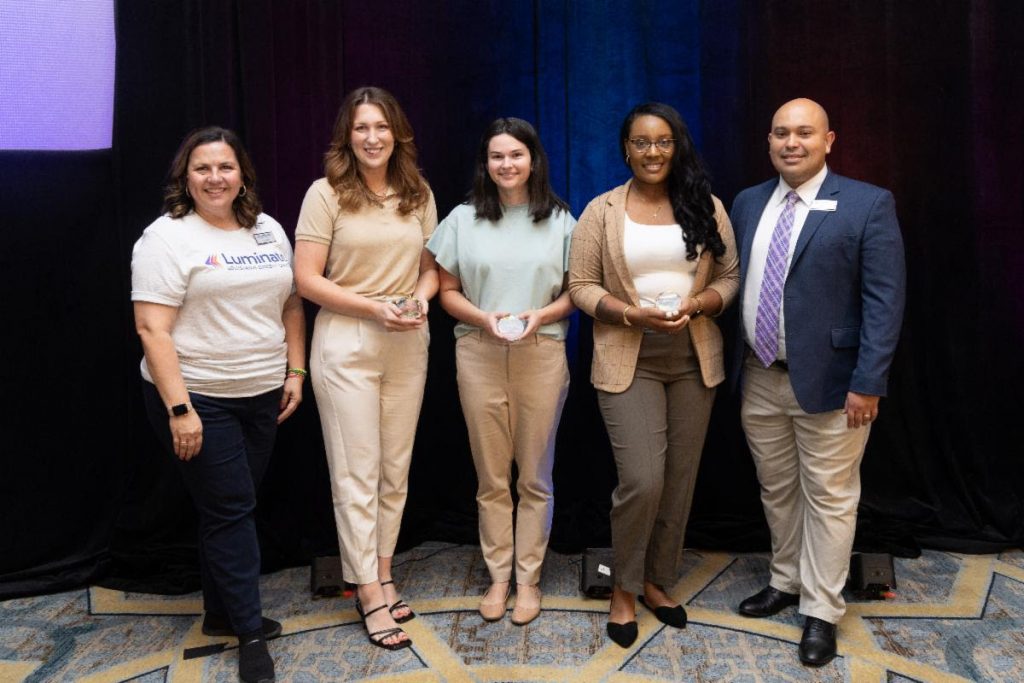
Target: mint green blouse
[513, 265]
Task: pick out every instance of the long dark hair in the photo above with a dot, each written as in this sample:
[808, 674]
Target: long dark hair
[342, 168]
[689, 190]
[484, 194]
[178, 203]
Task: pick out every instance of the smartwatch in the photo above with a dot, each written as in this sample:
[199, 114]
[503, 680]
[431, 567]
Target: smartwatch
[180, 409]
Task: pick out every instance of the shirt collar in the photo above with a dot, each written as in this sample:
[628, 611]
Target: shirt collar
[808, 192]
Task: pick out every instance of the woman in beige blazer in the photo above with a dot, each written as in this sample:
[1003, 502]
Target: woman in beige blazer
[653, 261]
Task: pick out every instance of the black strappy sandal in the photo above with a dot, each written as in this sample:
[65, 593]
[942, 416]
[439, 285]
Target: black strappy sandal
[378, 637]
[399, 605]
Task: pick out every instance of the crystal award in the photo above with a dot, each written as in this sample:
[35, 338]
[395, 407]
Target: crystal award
[511, 327]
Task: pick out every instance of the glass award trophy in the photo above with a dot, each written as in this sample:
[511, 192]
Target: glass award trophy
[668, 302]
[408, 307]
[511, 327]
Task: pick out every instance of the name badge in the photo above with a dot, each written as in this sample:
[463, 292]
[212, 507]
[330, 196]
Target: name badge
[268, 237]
[824, 205]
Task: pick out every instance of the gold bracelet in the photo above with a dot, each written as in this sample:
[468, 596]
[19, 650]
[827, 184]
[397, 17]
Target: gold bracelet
[699, 309]
[625, 320]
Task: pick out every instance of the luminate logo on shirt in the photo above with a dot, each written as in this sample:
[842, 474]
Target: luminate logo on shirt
[252, 261]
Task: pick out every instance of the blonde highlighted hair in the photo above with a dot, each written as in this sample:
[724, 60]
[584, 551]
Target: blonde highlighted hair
[342, 168]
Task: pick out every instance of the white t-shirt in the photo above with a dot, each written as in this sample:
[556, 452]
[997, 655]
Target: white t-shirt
[230, 287]
[656, 257]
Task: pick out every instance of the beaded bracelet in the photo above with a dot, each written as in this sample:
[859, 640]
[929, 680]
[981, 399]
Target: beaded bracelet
[296, 372]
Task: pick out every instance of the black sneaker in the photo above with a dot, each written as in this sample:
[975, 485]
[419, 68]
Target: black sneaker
[254, 662]
[217, 625]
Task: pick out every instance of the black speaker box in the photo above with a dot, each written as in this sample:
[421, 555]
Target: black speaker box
[325, 578]
[872, 576]
[596, 573]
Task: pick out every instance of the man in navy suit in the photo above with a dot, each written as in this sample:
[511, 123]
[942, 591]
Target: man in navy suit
[821, 301]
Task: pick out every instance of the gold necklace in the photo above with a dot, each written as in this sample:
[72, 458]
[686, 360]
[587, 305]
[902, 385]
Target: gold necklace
[379, 198]
[643, 200]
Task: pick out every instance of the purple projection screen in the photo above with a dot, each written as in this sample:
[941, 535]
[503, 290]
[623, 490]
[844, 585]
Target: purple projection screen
[56, 74]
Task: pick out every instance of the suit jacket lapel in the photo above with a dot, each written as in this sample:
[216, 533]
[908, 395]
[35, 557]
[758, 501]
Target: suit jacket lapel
[750, 220]
[829, 190]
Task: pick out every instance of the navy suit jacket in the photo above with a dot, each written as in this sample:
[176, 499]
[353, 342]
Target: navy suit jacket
[844, 292]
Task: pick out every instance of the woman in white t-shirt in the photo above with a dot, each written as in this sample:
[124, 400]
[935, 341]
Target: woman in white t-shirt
[502, 257]
[223, 334]
[652, 261]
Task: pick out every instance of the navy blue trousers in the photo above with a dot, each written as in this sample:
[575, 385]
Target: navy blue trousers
[222, 479]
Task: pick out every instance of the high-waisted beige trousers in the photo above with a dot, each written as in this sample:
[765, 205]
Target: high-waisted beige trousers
[368, 384]
[512, 395]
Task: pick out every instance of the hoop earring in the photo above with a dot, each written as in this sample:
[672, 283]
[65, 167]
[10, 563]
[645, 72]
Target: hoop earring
[627, 157]
[242, 193]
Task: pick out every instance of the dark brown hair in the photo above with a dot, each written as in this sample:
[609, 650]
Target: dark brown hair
[484, 195]
[178, 203]
[342, 168]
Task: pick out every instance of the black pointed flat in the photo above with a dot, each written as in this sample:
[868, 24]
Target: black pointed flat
[623, 635]
[670, 616]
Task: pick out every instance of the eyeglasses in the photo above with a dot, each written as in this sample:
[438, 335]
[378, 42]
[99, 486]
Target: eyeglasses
[641, 145]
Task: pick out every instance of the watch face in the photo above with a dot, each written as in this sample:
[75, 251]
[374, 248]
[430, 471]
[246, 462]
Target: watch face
[179, 409]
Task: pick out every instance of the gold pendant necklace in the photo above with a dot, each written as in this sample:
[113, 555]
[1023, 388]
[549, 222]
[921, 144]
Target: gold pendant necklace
[654, 215]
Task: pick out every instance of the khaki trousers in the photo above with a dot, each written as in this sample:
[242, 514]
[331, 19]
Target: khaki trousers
[809, 469]
[368, 384]
[512, 395]
[657, 428]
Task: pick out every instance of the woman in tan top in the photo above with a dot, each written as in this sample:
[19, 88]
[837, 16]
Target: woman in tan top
[359, 255]
[652, 261]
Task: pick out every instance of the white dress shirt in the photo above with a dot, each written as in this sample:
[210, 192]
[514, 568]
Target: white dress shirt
[808, 192]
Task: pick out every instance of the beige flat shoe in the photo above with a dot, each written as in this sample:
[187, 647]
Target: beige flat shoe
[493, 611]
[523, 615]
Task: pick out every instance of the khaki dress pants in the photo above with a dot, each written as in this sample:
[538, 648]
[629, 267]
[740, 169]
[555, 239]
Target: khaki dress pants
[809, 469]
[657, 428]
[512, 395]
[368, 384]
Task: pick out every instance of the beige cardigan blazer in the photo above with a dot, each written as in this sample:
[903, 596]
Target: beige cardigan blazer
[597, 267]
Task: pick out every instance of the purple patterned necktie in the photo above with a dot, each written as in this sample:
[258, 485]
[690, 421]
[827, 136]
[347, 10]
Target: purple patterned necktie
[766, 328]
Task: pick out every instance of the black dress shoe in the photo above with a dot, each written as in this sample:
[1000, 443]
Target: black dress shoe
[818, 644]
[768, 602]
[624, 635]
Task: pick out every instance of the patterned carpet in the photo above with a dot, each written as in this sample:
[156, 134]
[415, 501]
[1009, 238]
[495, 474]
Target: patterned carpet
[954, 618]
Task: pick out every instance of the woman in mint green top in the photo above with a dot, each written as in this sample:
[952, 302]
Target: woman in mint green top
[503, 258]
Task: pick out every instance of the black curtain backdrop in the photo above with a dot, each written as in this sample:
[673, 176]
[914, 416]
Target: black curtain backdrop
[925, 98]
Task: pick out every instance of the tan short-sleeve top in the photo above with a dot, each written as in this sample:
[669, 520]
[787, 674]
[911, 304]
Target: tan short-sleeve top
[375, 251]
